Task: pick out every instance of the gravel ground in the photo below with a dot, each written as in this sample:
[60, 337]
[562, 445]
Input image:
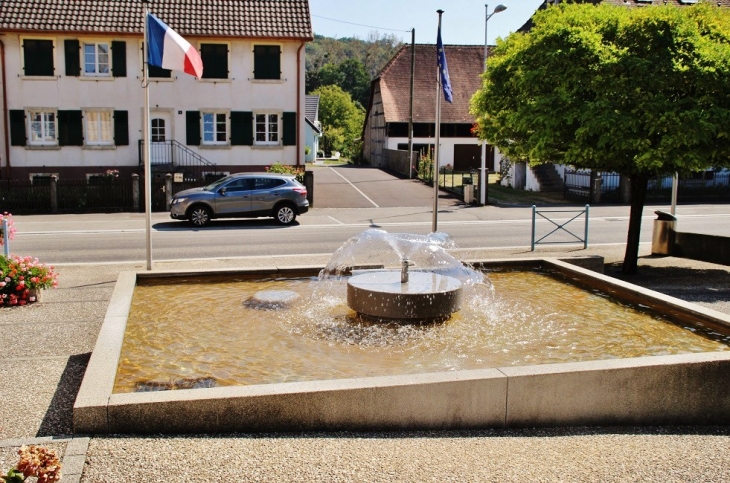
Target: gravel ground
[46, 349]
[618, 455]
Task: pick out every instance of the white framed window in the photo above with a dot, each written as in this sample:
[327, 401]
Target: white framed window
[157, 130]
[42, 127]
[99, 128]
[267, 129]
[97, 59]
[215, 127]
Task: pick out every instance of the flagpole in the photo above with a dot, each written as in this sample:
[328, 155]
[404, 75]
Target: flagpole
[146, 143]
[434, 223]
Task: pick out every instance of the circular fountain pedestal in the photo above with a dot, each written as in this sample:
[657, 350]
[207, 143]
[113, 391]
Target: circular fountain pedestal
[425, 296]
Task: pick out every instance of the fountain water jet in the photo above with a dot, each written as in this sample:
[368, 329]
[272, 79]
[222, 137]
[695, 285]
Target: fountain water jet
[432, 291]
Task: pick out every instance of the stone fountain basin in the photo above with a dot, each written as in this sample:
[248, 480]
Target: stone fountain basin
[675, 389]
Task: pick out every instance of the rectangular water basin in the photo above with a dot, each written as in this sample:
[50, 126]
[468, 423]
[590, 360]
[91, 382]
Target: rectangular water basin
[354, 375]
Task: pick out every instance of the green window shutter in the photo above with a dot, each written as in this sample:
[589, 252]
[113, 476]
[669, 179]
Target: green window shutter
[266, 62]
[241, 128]
[119, 58]
[158, 72]
[72, 52]
[17, 127]
[70, 128]
[215, 61]
[192, 128]
[247, 128]
[121, 128]
[155, 72]
[38, 57]
[290, 129]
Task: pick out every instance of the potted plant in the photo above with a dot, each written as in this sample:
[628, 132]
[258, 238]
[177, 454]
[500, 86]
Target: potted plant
[35, 461]
[22, 280]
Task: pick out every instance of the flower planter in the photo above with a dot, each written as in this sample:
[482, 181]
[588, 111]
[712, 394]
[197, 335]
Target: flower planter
[35, 295]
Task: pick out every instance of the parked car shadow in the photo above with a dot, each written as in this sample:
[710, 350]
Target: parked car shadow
[227, 224]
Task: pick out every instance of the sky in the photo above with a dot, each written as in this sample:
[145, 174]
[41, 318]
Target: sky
[462, 22]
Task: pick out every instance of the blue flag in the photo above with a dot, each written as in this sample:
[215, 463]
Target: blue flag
[443, 68]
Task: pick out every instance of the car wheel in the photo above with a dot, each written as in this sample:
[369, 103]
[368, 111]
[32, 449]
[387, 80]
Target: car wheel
[199, 215]
[285, 215]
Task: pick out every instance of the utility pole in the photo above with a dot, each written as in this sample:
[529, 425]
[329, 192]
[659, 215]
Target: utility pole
[410, 115]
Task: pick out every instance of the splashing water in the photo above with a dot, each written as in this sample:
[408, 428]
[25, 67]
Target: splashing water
[375, 248]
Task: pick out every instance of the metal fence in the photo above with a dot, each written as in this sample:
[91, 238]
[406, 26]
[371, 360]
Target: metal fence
[453, 181]
[24, 197]
[703, 187]
[83, 196]
[577, 186]
[105, 195]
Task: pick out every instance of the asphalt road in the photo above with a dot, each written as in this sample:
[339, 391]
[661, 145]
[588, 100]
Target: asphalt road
[354, 186]
[359, 198]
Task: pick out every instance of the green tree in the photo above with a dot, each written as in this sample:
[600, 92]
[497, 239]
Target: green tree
[330, 75]
[355, 81]
[350, 75]
[638, 91]
[341, 119]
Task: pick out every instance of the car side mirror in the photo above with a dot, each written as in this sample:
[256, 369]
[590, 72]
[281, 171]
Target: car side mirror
[222, 191]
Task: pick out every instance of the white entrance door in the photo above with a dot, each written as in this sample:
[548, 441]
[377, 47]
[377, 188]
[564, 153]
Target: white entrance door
[160, 148]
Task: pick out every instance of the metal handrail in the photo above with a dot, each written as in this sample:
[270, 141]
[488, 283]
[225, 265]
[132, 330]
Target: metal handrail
[176, 155]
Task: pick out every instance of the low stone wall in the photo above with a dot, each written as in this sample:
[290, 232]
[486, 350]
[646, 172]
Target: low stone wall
[397, 161]
[707, 248]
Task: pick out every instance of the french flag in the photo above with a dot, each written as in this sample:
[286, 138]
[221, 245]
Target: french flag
[170, 51]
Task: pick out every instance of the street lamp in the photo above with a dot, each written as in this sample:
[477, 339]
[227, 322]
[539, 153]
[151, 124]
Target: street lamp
[483, 175]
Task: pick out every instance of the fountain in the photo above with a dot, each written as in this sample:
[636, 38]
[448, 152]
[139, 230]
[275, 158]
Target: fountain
[420, 295]
[395, 333]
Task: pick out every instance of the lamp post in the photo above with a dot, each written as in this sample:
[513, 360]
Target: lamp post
[483, 173]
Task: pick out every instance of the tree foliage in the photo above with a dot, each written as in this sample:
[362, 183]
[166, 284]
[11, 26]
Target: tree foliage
[341, 119]
[638, 91]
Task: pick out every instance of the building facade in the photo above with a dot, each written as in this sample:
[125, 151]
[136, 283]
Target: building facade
[387, 118]
[73, 93]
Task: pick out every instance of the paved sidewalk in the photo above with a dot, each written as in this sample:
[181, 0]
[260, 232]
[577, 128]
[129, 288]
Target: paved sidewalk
[46, 347]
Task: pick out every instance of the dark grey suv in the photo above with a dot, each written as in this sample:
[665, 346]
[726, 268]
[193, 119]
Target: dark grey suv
[242, 195]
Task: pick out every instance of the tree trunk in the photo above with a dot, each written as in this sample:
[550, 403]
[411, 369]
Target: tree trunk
[638, 197]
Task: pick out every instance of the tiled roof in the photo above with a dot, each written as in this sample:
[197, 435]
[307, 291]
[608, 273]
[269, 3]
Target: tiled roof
[311, 107]
[289, 19]
[465, 63]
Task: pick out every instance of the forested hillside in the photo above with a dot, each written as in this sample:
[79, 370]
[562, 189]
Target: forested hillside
[349, 63]
[339, 71]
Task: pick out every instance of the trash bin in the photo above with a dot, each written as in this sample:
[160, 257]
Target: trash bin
[468, 194]
[662, 238]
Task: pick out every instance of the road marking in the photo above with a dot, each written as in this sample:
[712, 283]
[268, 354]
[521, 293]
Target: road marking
[141, 262]
[356, 189]
[339, 223]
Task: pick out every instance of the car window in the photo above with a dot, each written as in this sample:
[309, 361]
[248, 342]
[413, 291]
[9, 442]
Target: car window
[216, 184]
[241, 184]
[267, 183]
